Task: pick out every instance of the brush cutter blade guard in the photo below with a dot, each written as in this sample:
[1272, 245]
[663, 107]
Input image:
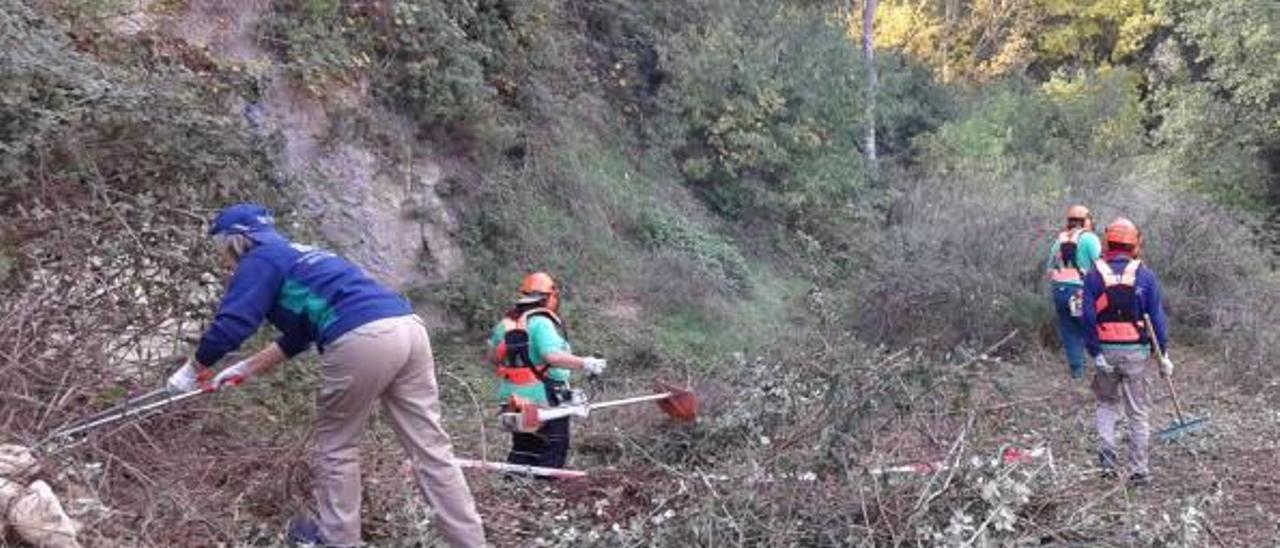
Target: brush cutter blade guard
[681, 404]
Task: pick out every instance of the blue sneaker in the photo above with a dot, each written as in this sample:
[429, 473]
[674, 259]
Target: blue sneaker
[303, 531]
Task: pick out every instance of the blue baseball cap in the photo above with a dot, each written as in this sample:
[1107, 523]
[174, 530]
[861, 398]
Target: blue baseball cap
[252, 220]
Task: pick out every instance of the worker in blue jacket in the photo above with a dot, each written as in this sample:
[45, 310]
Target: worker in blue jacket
[372, 348]
[1120, 293]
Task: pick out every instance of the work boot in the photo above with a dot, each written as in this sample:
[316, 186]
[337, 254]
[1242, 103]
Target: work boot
[1107, 462]
[303, 531]
[1138, 479]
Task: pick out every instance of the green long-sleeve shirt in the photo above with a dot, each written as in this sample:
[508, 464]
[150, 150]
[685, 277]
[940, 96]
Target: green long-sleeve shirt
[544, 339]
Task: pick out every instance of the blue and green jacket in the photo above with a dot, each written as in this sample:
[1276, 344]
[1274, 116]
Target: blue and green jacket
[310, 295]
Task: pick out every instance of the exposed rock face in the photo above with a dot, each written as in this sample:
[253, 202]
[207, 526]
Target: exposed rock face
[34, 512]
[16, 461]
[378, 208]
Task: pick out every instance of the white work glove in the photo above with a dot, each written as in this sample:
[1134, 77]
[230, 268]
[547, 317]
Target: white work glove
[186, 379]
[232, 375]
[1100, 362]
[1166, 366]
[594, 366]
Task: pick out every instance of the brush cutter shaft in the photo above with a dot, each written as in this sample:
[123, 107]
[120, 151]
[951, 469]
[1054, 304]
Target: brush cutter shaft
[509, 420]
[554, 413]
[629, 401]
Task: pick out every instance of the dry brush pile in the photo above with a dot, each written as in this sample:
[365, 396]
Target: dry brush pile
[109, 176]
[896, 448]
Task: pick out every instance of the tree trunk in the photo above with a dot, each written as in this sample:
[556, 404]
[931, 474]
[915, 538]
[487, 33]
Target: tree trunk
[869, 56]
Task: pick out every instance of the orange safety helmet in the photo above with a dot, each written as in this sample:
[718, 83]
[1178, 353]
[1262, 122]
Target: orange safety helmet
[1122, 231]
[538, 286]
[1079, 212]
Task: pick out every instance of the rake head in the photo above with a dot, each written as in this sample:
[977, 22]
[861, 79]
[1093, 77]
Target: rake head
[1179, 429]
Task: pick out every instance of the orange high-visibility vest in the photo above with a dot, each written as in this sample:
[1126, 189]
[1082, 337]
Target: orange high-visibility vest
[1118, 312]
[1065, 267]
[512, 355]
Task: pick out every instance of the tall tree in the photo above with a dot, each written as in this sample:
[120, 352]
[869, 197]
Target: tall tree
[869, 57]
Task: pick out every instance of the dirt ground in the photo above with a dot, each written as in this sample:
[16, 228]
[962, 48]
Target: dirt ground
[1212, 487]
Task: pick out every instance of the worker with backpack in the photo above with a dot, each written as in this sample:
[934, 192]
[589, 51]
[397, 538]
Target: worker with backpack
[1120, 294]
[1072, 254]
[530, 350]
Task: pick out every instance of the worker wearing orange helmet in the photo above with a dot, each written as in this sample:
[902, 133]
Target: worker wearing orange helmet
[1073, 253]
[533, 361]
[1120, 294]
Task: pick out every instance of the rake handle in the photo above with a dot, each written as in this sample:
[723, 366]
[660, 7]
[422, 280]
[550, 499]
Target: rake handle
[519, 468]
[1168, 381]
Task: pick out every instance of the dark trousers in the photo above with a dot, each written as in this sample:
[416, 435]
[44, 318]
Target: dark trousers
[549, 446]
[1070, 329]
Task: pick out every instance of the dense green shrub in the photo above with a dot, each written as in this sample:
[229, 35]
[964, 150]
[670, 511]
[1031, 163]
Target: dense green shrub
[65, 117]
[770, 100]
[1011, 126]
[456, 64]
[772, 109]
[323, 39]
[715, 256]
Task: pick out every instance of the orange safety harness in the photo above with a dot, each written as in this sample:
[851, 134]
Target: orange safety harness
[514, 363]
[1065, 267]
[1119, 317]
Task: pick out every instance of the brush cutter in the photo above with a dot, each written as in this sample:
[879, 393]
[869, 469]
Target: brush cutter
[678, 404]
[1182, 426]
[139, 406]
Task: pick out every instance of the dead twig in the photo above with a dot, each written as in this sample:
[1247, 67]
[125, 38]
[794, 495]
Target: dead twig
[953, 457]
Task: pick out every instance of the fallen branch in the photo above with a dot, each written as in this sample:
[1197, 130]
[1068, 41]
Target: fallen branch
[990, 349]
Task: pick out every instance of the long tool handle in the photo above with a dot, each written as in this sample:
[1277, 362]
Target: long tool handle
[1155, 343]
[629, 401]
[520, 469]
[125, 413]
[130, 403]
[554, 413]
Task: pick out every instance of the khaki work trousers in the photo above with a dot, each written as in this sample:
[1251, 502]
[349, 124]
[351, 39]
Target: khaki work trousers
[388, 360]
[1127, 387]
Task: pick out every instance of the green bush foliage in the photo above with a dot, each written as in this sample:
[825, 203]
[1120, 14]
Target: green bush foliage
[455, 64]
[772, 106]
[1216, 97]
[716, 256]
[67, 118]
[323, 40]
